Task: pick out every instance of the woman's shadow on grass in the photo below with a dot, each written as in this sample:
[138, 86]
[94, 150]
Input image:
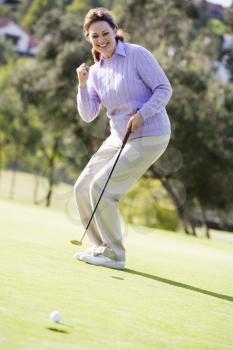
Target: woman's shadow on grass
[178, 284]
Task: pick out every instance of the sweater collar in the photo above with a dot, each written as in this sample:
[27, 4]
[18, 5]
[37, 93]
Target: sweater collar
[120, 50]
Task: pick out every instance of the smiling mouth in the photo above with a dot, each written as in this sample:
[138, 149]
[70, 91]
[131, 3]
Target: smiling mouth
[103, 46]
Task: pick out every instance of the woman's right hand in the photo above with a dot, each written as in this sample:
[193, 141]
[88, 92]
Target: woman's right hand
[83, 74]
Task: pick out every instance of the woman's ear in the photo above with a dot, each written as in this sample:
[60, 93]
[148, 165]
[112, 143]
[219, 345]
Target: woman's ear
[87, 37]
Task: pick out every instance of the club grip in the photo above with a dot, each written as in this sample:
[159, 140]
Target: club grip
[128, 132]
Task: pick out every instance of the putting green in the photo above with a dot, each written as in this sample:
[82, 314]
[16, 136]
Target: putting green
[176, 293]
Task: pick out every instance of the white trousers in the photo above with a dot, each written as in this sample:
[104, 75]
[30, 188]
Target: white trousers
[137, 156]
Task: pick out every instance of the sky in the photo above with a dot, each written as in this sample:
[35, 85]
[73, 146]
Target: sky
[225, 3]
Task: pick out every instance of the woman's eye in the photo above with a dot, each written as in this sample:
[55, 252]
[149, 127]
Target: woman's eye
[94, 36]
[106, 33]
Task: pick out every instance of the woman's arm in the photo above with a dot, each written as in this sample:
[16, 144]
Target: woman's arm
[154, 77]
[88, 101]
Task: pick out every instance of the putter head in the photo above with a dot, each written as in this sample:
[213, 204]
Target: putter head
[75, 242]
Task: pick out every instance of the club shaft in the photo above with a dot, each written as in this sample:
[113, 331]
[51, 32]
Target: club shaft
[114, 165]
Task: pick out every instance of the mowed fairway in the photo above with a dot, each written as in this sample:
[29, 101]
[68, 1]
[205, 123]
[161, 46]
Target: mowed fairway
[176, 293]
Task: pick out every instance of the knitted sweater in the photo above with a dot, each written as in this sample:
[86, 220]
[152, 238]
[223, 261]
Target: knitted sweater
[131, 80]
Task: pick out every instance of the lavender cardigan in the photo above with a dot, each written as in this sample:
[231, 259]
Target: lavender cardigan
[130, 80]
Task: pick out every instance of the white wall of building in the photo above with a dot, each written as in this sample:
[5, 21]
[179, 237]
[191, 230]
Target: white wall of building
[13, 29]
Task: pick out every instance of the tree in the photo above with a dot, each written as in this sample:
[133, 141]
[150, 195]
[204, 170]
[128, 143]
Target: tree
[36, 9]
[201, 134]
[48, 86]
[186, 45]
[18, 133]
[81, 7]
[7, 54]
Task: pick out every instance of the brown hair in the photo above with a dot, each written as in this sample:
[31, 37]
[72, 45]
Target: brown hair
[96, 15]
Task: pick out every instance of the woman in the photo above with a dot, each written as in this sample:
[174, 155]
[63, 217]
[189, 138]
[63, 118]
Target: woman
[130, 84]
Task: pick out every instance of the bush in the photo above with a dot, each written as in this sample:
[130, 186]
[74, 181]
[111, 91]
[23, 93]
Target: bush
[167, 218]
[148, 204]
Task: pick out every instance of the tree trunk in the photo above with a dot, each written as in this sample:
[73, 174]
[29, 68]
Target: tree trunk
[51, 181]
[36, 189]
[14, 168]
[49, 195]
[0, 164]
[194, 233]
[203, 213]
[179, 207]
[181, 212]
[1, 157]
[13, 183]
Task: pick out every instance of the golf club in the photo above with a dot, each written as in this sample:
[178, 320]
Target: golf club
[76, 242]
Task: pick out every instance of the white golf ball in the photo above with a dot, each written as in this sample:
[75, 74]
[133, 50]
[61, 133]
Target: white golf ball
[55, 316]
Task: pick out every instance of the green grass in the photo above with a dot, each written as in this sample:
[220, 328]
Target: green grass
[176, 292]
[25, 185]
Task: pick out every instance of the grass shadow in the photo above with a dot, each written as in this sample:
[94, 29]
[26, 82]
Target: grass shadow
[179, 284]
[53, 329]
[118, 278]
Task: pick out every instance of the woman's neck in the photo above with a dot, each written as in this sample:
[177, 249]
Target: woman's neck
[108, 56]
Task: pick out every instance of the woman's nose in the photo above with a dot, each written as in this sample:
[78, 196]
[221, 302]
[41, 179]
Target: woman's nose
[101, 41]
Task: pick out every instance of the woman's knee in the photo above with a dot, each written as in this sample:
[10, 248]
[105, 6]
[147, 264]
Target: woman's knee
[97, 186]
[94, 189]
[81, 187]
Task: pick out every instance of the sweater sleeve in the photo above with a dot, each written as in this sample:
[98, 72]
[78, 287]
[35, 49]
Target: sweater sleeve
[88, 101]
[154, 77]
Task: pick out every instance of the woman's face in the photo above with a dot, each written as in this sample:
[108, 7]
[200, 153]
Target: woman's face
[102, 38]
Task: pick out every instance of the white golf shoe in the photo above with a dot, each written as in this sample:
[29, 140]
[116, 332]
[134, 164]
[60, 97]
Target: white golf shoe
[102, 260]
[90, 251]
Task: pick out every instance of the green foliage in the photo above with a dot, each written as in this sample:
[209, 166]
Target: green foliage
[201, 133]
[209, 39]
[167, 218]
[18, 130]
[37, 9]
[7, 53]
[44, 99]
[216, 27]
[229, 18]
[47, 87]
[165, 23]
[81, 7]
[186, 47]
[142, 207]
[5, 11]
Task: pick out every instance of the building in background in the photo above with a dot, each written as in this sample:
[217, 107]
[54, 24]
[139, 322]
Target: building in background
[22, 41]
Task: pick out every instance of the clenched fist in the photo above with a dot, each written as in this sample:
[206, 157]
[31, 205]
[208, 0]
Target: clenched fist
[82, 74]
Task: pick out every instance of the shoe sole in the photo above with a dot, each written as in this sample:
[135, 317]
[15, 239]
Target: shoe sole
[80, 256]
[118, 265]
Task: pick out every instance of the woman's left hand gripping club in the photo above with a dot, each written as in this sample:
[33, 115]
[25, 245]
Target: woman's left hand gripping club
[135, 122]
